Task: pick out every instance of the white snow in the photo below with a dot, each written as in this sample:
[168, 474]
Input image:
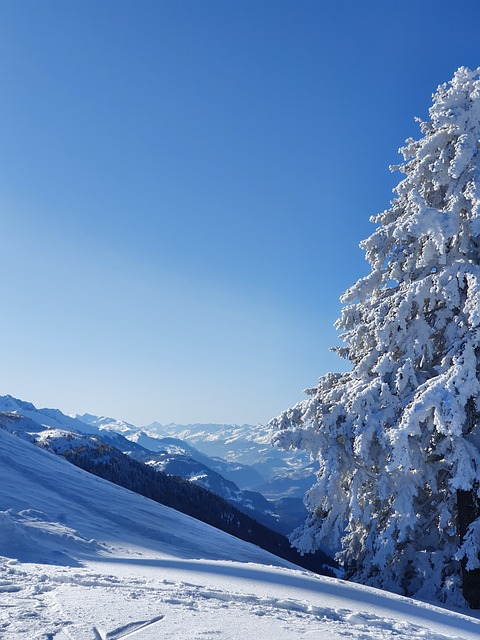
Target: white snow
[83, 559]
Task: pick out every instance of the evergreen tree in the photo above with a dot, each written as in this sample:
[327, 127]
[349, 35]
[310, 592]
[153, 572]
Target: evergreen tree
[398, 436]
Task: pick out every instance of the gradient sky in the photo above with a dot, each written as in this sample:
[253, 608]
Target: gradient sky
[184, 184]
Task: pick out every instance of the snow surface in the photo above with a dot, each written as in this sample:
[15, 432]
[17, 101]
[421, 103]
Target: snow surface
[83, 559]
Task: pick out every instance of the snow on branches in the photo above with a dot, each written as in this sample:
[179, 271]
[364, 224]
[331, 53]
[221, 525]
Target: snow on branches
[398, 437]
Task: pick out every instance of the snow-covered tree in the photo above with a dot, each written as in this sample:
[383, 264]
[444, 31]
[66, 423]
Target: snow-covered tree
[398, 436]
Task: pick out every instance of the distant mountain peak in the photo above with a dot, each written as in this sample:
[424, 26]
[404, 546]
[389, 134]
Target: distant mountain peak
[10, 404]
[107, 423]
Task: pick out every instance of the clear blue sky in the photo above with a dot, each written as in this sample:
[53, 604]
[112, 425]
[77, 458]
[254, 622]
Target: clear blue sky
[184, 184]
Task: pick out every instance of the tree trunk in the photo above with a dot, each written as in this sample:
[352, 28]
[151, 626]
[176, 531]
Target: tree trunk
[468, 511]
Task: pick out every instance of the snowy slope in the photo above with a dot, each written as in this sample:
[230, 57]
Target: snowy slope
[87, 560]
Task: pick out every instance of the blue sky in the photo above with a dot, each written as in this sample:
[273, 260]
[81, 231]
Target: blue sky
[184, 184]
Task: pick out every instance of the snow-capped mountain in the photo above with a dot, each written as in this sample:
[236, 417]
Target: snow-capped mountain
[53, 429]
[55, 439]
[107, 424]
[235, 471]
[241, 443]
[239, 483]
[83, 559]
[242, 454]
[178, 458]
[248, 445]
[53, 418]
[243, 475]
[272, 514]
